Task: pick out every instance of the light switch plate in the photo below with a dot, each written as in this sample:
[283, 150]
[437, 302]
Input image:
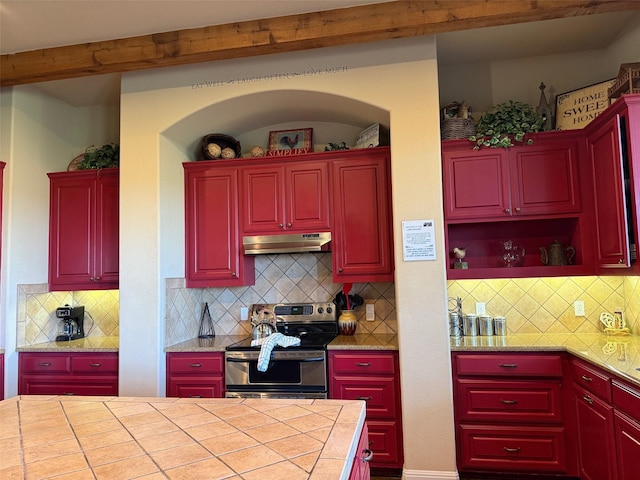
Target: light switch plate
[370, 312]
[481, 308]
[578, 308]
[244, 313]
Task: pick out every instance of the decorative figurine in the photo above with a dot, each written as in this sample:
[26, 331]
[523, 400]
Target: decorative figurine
[228, 153]
[257, 151]
[544, 110]
[460, 253]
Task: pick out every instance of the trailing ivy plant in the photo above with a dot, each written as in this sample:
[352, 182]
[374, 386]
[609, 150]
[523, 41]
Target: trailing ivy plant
[506, 123]
[107, 156]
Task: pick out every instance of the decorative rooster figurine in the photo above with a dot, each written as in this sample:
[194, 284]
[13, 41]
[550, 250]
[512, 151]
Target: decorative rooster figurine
[286, 141]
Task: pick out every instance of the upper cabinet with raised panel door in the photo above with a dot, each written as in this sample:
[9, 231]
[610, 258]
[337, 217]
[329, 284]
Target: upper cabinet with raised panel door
[538, 179]
[213, 243]
[290, 197]
[362, 233]
[84, 230]
[614, 154]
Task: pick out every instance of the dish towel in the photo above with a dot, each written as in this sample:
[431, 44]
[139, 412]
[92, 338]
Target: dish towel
[267, 344]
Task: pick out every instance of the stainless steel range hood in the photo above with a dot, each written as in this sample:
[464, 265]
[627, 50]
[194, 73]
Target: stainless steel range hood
[287, 243]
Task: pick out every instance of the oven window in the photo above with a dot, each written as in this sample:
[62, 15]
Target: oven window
[282, 371]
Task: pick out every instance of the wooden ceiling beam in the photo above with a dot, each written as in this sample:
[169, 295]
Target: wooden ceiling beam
[390, 20]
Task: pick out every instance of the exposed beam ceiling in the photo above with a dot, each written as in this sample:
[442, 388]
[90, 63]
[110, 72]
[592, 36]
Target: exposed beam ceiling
[358, 24]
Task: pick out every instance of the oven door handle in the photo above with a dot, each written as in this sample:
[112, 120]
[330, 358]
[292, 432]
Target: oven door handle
[304, 359]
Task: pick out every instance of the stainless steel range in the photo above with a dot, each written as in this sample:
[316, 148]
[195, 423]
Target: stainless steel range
[293, 372]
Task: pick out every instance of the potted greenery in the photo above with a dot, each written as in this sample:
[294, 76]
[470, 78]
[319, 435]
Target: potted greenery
[106, 156]
[506, 123]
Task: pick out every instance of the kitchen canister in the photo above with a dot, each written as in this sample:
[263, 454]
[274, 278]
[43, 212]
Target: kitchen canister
[485, 323]
[470, 325]
[500, 326]
[455, 325]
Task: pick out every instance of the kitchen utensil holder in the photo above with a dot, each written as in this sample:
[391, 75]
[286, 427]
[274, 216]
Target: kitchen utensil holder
[206, 324]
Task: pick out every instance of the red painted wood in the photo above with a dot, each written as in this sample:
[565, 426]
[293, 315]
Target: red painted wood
[362, 240]
[510, 365]
[83, 230]
[591, 378]
[212, 238]
[192, 374]
[361, 469]
[1, 376]
[627, 432]
[57, 373]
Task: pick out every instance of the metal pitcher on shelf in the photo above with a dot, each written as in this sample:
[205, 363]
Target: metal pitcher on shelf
[557, 255]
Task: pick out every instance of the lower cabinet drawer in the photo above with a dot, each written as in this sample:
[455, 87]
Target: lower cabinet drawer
[195, 387]
[102, 386]
[509, 401]
[383, 442]
[626, 398]
[591, 378]
[509, 365]
[95, 364]
[196, 364]
[377, 392]
[44, 363]
[517, 448]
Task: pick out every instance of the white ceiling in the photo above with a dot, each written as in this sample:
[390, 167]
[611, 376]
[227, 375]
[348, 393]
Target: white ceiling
[34, 24]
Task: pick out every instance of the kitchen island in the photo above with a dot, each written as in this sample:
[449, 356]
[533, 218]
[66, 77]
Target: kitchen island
[133, 437]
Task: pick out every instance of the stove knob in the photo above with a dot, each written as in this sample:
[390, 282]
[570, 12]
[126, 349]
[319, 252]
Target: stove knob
[329, 310]
[320, 309]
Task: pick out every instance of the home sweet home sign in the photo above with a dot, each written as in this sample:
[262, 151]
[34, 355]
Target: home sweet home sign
[577, 108]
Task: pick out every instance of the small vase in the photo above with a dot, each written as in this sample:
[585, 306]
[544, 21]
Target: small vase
[347, 322]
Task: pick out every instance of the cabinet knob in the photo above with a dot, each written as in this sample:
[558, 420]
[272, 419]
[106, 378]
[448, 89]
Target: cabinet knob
[518, 209]
[621, 260]
[509, 365]
[363, 364]
[233, 274]
[508, 402]
[288, 225]
[280, 225]
[507, 211]
[195, 365]
[340, 269]
[44, 364]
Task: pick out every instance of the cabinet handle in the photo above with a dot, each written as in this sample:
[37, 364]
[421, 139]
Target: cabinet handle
[511, 450]
[195, 365]
[69, 394]
[587, 379]
[509, 365]
[363, 364]
[95, 364]
[368, 455]
[507, 211]
[44, 364]
[588, 399]
[518, 210]
[364, 398]
[195, 396]
[508, 402]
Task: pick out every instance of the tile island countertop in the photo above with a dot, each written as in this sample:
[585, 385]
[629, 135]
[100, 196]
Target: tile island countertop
[111, 438]
[618, 354]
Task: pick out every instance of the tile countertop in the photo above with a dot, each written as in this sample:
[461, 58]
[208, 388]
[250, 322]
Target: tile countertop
[617, 354]
[130, 437]
[87, 344]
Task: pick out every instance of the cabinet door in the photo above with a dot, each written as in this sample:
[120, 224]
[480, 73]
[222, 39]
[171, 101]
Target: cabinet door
[544, 177]
[362, 242]
[628, 445]
[107, 259]
[612, 236]
[263, 199]
[476, 184]
[596, 444]
[307, 197]
[72, 233]
[213, 250]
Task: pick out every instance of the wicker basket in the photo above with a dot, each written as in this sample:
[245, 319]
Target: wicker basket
[454, 128]
[223, 141]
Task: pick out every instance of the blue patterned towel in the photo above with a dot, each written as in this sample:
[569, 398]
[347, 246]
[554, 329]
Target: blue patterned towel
[268, 343]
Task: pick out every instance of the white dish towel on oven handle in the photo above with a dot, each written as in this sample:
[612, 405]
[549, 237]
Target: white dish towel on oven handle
[267, 344]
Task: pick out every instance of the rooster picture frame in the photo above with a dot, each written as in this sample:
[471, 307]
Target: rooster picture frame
[290, 142]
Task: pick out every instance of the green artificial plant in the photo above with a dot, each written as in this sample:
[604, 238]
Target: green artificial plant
[506, 123]
[106, 156]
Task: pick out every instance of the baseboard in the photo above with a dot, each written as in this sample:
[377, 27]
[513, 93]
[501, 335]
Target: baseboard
[428, 475]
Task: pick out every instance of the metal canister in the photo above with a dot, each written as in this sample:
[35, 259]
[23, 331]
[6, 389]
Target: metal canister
[486, 325]
[455, 325]
[470, 325]
[500, 326]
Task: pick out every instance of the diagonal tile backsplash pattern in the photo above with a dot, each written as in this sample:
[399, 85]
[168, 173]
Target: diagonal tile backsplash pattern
[303, 277]
[545, 305]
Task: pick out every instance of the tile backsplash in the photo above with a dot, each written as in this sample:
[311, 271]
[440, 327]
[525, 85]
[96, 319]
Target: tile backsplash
[37, 320]
[303, 277]
[535, 305]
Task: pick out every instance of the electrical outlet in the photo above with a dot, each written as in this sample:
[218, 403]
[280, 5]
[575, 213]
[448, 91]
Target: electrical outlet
[481, 308]
[370, 312]
[244, 313]
[578, 308]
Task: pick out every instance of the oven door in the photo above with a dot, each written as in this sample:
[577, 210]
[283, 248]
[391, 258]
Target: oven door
[297, 371]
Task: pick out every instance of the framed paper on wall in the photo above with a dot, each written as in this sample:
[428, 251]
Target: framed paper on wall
[575, 109]
[290, 142]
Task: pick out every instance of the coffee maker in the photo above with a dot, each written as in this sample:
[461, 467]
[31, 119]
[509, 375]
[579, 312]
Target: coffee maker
[72, 323]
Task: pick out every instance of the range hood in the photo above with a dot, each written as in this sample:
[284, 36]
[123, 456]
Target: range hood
[287, 243]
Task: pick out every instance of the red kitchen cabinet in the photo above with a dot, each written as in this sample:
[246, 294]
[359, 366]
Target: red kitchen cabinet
[289, 197]
[626, 402]
[361, 469]
[213, 245]
[83, 230]
[509, 413]
[614, 152]
[195, 375]
[362, 233]
[1, 376]
[67, 374]
[375, 378]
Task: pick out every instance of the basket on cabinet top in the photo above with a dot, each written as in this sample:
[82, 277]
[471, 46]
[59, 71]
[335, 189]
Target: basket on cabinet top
[223, 141]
